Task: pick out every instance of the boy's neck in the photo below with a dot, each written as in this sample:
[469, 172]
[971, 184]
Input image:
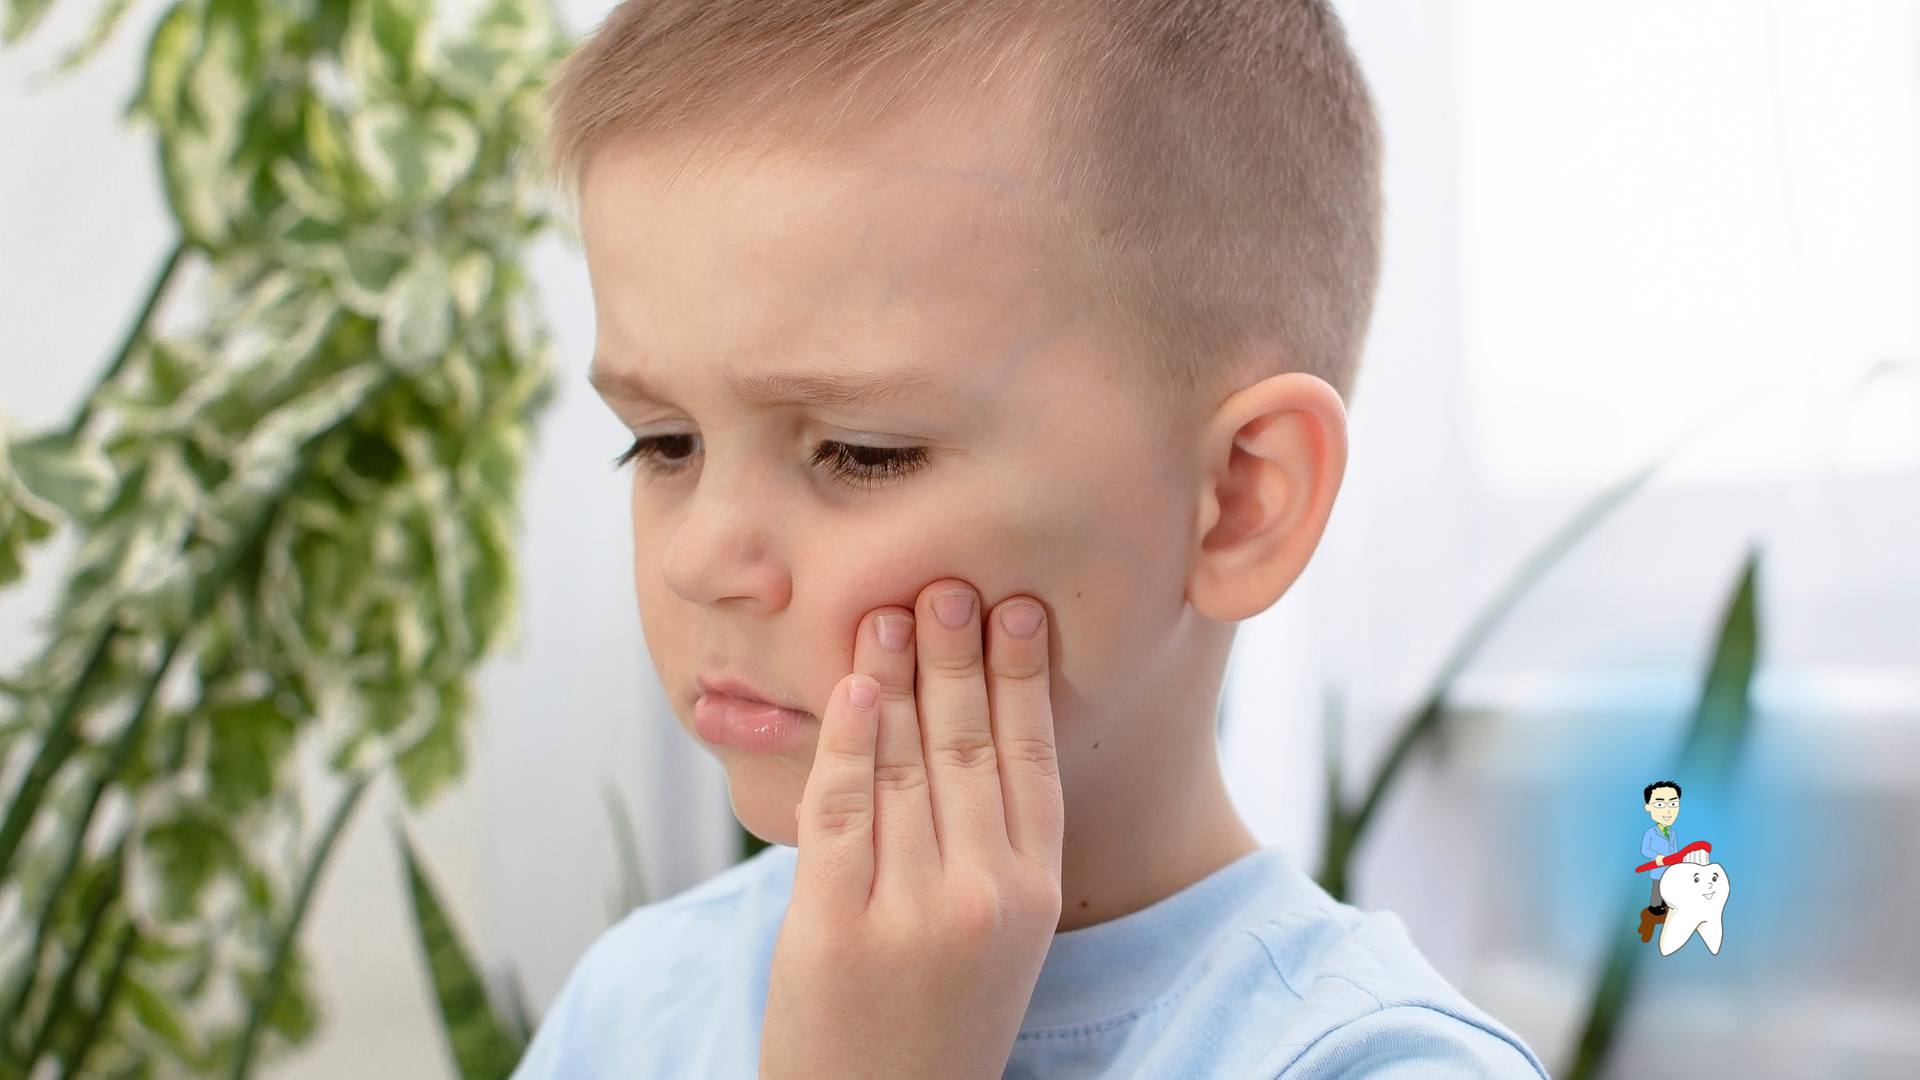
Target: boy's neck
[1146, 836]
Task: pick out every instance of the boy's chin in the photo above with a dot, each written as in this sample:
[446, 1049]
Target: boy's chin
[765, 796]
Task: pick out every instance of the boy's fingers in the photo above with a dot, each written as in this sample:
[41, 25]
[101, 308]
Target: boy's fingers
[1019, 687]
[956, 723]
[903, 835]
[836, 862]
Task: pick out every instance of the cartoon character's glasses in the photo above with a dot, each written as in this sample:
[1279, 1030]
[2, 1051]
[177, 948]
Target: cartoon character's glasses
[1664, 803]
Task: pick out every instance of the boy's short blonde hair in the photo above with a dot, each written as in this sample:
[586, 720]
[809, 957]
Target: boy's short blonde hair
[1217, 161]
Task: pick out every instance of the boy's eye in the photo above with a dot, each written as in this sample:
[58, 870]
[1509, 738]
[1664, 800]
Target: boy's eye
[664, 455]
[661, 454]
[867, 465]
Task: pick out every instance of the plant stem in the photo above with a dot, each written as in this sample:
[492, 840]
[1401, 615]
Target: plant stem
[105, 893]
[62, 737]
[76, 844]
[283, 944]
[135, 334]
[109, 993]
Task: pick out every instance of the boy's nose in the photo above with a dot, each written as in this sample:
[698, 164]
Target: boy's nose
[719, 552]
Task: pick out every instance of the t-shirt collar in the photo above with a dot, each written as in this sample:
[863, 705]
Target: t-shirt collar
[1115, 967]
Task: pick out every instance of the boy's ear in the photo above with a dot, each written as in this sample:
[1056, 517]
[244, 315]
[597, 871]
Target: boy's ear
[1273, 456]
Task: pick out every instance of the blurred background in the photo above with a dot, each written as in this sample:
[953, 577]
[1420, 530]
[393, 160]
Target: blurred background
[1618, 235]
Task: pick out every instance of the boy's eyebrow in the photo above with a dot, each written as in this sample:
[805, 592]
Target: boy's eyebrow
[825, 389]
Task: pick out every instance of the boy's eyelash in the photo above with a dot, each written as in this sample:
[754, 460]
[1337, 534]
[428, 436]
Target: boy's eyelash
[864, 466]
[861, 466]
[661, 455]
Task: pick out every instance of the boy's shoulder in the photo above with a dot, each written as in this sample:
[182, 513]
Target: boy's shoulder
[1256, 972]
[670, 989]
[1370, 1002]
[657, 942]
[762, 884]
[1367, 994]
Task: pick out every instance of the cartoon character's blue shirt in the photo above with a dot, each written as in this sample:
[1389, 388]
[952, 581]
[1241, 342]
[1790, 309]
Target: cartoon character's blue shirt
[1252, 973]
[1656, 843]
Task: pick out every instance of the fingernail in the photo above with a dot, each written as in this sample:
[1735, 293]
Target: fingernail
[862, 693]
[895, 631]
[1020, 620]
[954, 608]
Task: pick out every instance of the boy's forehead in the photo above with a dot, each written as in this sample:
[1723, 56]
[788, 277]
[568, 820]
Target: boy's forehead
[911, 259]
[918, 189]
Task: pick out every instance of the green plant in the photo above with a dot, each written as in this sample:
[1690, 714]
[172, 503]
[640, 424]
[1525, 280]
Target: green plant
[293, 518]
[1348, 821]
[485, 1042]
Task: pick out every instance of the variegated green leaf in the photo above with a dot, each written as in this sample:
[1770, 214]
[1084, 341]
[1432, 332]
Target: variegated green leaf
[105, 22]
[23, 16]
[412, 157]
[72, 476]
[169, 58]
[472, 281]
[417, 320]
[262, 462]
[439, 756]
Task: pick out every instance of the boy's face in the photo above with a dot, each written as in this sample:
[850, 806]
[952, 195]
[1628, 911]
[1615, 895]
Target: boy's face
[849, 376]
[1664, 806]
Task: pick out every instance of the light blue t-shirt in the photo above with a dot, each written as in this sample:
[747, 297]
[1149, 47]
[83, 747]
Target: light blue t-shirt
[1253, 972]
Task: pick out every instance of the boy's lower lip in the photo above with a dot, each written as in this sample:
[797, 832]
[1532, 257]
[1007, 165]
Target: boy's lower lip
[756, 727]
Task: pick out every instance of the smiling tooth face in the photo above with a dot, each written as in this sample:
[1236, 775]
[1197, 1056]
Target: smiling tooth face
[1695, 896]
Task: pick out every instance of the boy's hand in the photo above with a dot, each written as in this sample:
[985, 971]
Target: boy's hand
[928, 884]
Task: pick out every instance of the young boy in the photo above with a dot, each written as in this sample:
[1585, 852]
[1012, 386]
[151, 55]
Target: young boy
[982, 359]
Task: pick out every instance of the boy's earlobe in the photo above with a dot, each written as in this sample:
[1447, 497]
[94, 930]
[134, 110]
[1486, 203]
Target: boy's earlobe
[1273, 456]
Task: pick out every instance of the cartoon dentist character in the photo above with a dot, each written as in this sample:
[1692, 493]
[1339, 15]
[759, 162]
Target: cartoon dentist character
[1659, 843]
[1689, 890]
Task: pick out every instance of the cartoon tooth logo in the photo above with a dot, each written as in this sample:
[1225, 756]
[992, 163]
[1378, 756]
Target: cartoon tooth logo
[1695, 894]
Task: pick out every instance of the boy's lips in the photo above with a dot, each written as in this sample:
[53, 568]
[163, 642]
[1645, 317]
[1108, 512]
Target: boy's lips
[732, 714]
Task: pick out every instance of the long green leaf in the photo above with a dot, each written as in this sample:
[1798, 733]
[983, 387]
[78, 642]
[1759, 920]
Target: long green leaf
[142, 326]
[1345, 827]
[484, 1046]
[1720, 725]
[288, 935]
